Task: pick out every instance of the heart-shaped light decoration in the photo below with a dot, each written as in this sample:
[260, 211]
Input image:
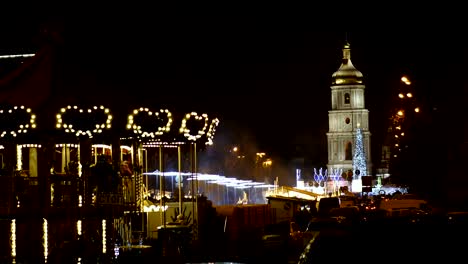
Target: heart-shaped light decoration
[143, 121]
[186, 131]
[89, 121]
[16, 120]
[211, 131]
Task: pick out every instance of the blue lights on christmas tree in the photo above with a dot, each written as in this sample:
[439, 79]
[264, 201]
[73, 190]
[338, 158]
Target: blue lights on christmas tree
[359, 159]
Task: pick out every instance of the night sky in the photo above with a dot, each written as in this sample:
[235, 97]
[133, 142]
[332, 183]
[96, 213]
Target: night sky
[267, 81]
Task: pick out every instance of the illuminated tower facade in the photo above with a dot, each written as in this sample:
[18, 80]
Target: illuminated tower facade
[347, 114]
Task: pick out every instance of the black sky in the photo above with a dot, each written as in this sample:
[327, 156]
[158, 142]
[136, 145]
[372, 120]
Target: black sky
[270, 78]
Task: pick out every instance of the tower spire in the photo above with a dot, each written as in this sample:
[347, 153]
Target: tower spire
[346, 50]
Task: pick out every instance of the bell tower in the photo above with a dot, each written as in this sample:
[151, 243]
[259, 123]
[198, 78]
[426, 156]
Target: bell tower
[347, 114]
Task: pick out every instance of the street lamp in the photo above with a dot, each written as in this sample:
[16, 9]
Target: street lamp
[405, 80]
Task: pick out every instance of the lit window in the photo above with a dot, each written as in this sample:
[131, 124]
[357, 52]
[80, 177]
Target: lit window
[347, 98]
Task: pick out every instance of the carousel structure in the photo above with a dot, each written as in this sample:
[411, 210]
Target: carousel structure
[88, 176]
[84, 172]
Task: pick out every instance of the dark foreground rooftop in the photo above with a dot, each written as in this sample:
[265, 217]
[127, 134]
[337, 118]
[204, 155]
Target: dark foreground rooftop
[386, 240]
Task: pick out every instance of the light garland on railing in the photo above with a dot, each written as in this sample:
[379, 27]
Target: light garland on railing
[156, 144]
[137, 128]
[70, 127]
[30, 145]
[21, 127]
[45, 238]
[66, 145]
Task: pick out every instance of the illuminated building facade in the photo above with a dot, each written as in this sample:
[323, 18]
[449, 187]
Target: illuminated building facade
[347, 113]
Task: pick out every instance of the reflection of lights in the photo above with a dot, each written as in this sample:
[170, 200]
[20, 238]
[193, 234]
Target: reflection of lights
[104, 146]
[13, 237]
[78, 227]
[25, 55]
[116, 251]
[292, 192]
[103, 235]
[19, 157]
[154, 208]
[241, 187]
[128, 148]
[265, 186]
[267, 163]
[168, 173]
[223, 180]
[213, 180]
[45, 241]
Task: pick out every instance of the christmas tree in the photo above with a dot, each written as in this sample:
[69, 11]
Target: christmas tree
[359, 159]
